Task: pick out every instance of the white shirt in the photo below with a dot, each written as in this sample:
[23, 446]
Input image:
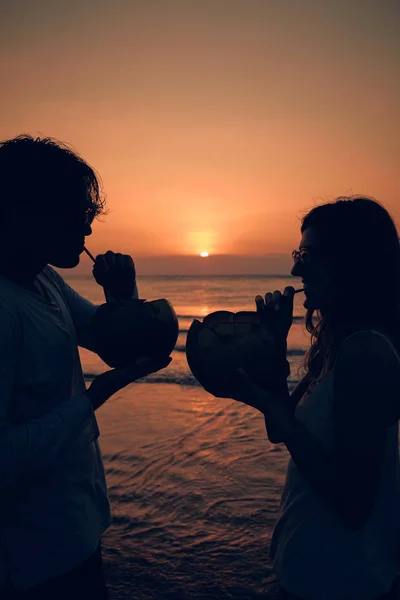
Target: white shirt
[53, 497]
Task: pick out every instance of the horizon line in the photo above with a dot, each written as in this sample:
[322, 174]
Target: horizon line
[80, 275]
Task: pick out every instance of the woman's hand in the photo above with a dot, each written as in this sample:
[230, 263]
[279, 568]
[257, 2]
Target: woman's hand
[274, 405]
[277, 311]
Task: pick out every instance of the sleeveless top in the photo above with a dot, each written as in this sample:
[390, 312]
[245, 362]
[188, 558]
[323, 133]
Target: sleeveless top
[315, 556]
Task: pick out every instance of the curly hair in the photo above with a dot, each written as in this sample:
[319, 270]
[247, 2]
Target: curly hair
[45, 171]
[360, 246]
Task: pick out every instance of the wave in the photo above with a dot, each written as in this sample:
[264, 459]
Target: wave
[295, 352]
[180, 348]
[199, 317]
[290, 352]
[177, 379]
[185, 379]
[296, 319]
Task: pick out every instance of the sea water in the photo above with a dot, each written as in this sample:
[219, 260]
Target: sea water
[193, 482]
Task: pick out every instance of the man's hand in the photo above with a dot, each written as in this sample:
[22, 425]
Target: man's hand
[116, 274]
[110, 382]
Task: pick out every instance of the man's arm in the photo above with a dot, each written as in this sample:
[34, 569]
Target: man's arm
[30, 449]
[82, 311]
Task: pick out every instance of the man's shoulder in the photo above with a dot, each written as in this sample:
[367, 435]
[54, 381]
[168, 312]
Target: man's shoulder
[10, 311]
[52, 278]
[50, 273]
[10, 296]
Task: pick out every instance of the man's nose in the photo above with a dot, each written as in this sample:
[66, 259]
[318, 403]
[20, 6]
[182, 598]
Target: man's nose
[88, 230]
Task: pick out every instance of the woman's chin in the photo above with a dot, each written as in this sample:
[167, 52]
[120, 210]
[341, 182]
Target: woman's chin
[309, 303]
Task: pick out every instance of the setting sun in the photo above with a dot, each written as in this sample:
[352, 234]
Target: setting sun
[203, 254]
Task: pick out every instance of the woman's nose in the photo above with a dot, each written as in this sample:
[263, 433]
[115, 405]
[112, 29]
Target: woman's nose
[297, 270]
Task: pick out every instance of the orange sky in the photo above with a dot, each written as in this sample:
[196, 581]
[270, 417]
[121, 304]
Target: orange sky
[213, 123]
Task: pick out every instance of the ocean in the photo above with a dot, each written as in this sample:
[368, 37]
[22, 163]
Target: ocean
[193, 482]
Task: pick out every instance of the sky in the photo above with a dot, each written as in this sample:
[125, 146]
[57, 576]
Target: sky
[214, 124]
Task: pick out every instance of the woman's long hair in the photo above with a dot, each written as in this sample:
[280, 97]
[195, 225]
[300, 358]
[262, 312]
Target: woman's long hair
[360, 246]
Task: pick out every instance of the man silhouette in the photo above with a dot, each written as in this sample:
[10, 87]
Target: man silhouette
[54, 506]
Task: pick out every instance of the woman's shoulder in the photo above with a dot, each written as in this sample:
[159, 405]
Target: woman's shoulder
[366, 377]
[368, 345]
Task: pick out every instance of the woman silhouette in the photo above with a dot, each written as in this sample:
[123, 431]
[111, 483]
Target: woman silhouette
[336, 535]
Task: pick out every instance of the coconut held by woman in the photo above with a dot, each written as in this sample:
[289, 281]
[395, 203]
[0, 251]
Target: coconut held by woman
[227, 343]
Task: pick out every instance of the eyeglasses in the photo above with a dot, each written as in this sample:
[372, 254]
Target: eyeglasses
[86, 218]
[83, 218]
[303, 256]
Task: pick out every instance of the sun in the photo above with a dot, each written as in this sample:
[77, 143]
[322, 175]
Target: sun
[204, 254]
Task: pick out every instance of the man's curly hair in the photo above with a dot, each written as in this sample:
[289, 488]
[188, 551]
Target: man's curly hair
[45, 171]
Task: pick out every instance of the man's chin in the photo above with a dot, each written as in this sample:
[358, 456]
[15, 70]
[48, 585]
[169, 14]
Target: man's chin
[65, 262]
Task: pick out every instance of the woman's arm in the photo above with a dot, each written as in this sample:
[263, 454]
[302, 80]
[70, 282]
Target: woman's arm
[365, 405]
[292, 399]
